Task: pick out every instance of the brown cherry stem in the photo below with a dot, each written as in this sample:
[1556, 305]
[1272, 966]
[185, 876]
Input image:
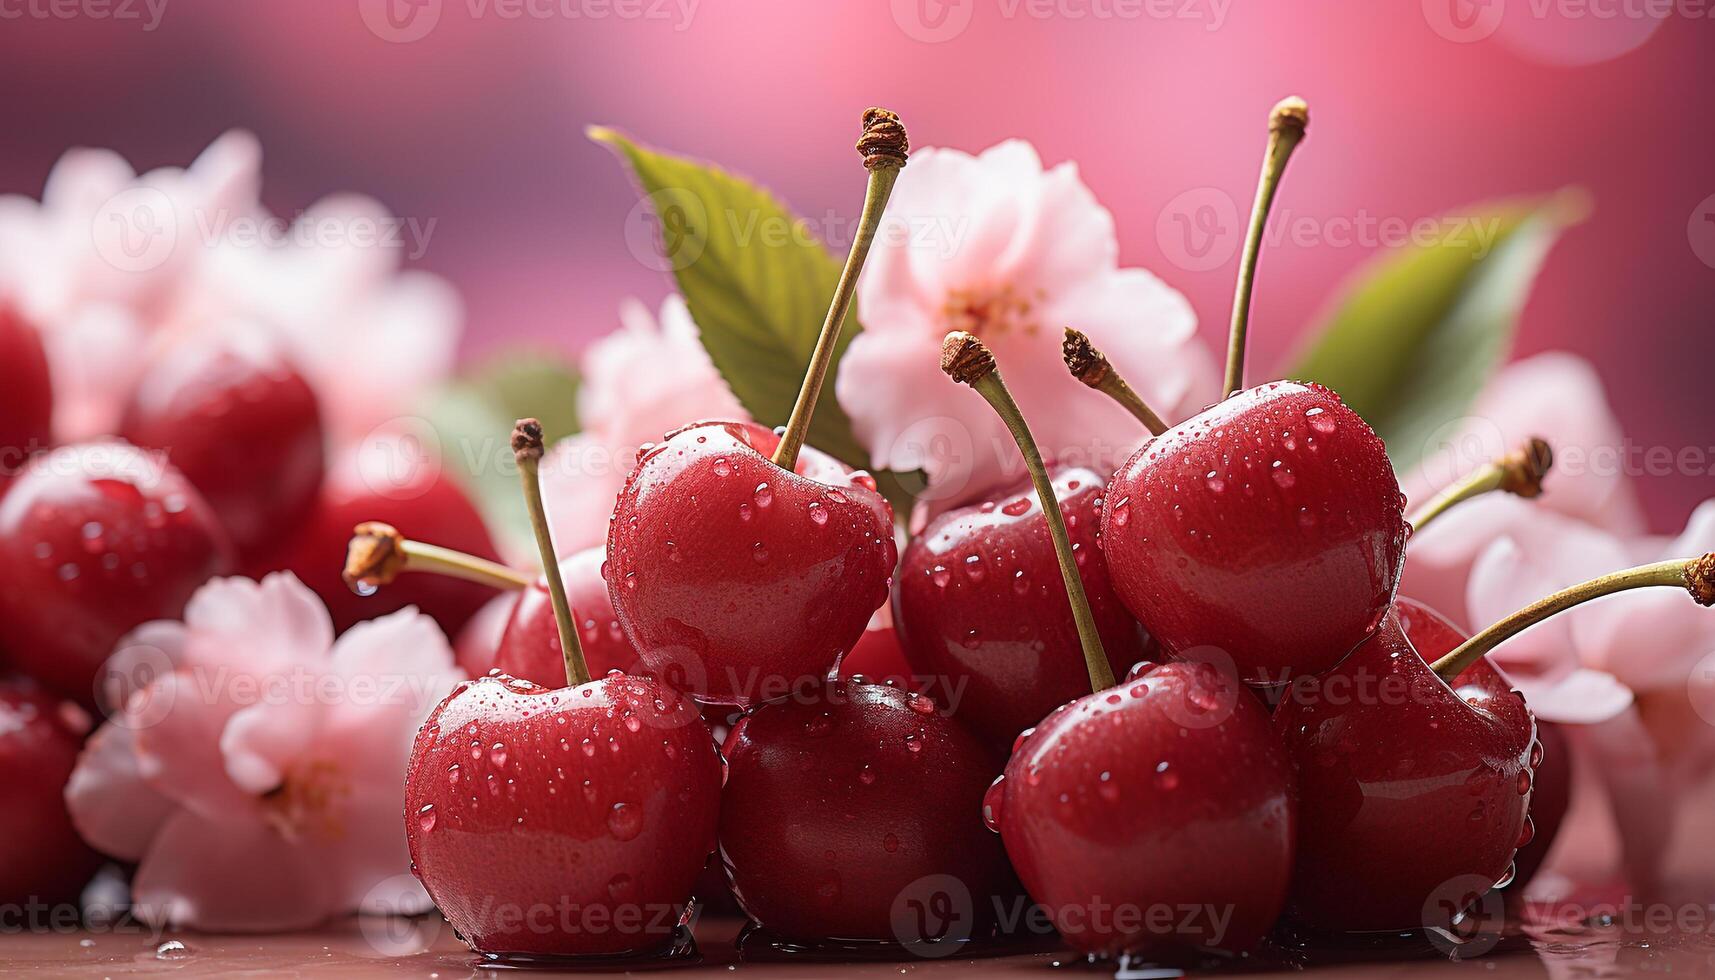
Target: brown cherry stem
[378, 553]
[1286, 126]
[527, 450]
[1519, 472]
[884, 147]
[966, 360]
[1093, 368]
[1695, 575]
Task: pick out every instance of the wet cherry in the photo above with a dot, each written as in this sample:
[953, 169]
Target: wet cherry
[95, 539]
[981, 609]
[1270, 528]
[1416, 778]
[26, 393]
[843, 799]
[241, 423]
[737, 560]
[1551, 787]
[569, 822]
[562, 823]
[42, 859]
[1168, 792]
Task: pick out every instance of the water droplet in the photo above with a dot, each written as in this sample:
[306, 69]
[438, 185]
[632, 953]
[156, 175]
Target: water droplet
[828, 889]
[1507, 877]
[1535, 754]
[1528, 833]
[991, 803]
[1020, 584]
[891, 843]
[497, 755]
[1283, 477]
[759, 553]
[866, 776]
[621, 888]
[974, 568]
[913, 743]
[1214, 482]
[1016, 508]
[625, 821]
[722, 467]
[940, 576]
[1523, 781]
[764, 496]
[453, 774]
[426, 817]
[172, 949]
[818, 513]
[920, 704]
[1165, 777]
[1121, 512]
[1106, 788]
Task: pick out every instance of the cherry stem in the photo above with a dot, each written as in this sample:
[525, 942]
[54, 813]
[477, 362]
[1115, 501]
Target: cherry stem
[884, 147]
[1695, 575]
[527, 450]
[966, 360]
[1286, 125]
[378, 553]
[1093, 368]
[1519, 472]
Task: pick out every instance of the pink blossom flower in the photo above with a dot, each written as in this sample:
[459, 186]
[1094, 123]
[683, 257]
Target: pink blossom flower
[112, 264]
[644, 380]
[997, 245]
[254, 770]
[1556, 396]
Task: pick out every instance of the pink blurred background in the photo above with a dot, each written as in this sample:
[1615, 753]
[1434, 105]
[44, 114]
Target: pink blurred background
[470, 114]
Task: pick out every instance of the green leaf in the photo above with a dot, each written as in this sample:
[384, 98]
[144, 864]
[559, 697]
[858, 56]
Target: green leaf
[1421, 329]
[758, 282]
[473, 417]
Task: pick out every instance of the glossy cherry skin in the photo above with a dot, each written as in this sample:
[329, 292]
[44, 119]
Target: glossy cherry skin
[96, 539]
[41, 856]
[1128, 806]
[1413, 795]
[530, 647]
[26, 394]
[241, 423]
[741, 577]
[430, 507]
[1269, 527]
[981, 607]
[840, 798]
[1551, 786]
[568, 822]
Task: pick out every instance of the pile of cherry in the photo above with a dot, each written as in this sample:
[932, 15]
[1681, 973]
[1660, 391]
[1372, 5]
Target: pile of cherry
[1183, 701]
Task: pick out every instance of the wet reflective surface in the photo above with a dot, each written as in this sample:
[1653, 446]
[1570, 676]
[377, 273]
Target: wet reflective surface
[1544, 942]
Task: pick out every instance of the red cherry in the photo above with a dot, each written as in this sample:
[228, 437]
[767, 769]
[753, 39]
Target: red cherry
[425, 504]
[239, 421]
[1269, 527]
[26, 396]
[1412, 794]
[841, 800]
[1141, 816]
[96, 539]
[741, 577]
[567, 822]
[42, 859]
[981, 606]
[530, 647]
[741, 561]
[1551, 790]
